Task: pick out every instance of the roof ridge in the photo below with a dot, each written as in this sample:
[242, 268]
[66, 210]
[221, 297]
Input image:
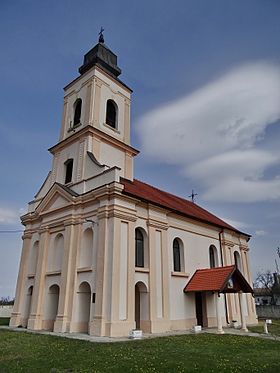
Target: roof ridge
[185, 200]
[164, 191]
[180, 205]
[216, 268]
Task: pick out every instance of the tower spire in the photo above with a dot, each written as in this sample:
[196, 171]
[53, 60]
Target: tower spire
[101, 36]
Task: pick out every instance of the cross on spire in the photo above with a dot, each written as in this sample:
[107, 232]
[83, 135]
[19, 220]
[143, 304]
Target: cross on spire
[193, 195]
[101, 36]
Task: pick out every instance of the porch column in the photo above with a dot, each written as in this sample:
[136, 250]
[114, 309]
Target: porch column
[218, 314]
[242, 311]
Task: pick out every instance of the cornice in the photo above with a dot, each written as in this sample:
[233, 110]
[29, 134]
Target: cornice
[244, 247]
[157, 224]
[100, 135]
[91, 70]
[227, 243]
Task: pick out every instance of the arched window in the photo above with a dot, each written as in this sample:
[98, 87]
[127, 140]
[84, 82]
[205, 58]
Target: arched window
[213, 256]
[139, 248]
[85, 258]
[176, 256]
[68, 170]
[33, 257]
[77, 112]
[111, 114]
[55, 255]
[237, 260]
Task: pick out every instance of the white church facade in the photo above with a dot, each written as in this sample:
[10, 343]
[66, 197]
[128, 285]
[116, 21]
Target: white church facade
[104, 253]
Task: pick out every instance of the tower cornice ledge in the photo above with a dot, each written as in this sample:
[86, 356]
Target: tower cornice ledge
[98, 134]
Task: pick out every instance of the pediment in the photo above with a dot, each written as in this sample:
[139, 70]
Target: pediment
[55, 199]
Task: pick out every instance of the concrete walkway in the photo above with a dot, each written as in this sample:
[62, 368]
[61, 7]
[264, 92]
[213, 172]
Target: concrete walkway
[89, 338]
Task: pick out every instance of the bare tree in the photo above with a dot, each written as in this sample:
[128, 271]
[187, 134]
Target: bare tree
[265, 280]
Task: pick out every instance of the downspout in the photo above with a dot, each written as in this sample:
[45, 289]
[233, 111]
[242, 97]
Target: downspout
[222, 263]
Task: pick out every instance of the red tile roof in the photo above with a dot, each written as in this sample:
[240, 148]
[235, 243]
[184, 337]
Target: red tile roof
[209, 279]
[179, 205]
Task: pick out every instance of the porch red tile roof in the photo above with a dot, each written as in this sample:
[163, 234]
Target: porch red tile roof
[148, 193]
[209, 279]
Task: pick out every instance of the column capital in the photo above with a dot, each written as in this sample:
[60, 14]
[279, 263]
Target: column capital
[44, 229]
[227, 243]
[157, 224]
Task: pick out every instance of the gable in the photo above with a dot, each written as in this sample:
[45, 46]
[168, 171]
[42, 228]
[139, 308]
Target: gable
[56, 202]
[56, 198]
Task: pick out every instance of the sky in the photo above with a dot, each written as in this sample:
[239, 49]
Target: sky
[205, 108]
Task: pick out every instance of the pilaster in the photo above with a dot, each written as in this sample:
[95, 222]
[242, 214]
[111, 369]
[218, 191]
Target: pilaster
[68, 273]
[36, 315]
[97, 326]
[95, 114]
[19, 299]
[131, 273]
[159, 284]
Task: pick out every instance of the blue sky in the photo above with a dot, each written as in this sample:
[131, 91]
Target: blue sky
[205, 76]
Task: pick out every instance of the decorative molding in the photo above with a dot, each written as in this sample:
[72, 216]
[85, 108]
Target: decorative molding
[84, 269]
[157, 224]
[92, 131]
[227, 243]
[43, 229]
[142, 270]
[180, 274]
[244, 247]
[122, 215]
[27, 235]
[80, 159]
[53, 273]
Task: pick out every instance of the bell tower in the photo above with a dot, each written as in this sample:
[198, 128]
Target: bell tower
[95, 128]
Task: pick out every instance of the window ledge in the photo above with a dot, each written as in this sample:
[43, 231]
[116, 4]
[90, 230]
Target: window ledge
[143, 270]
[71, 129]
[84, 269]
[31, 275]
[180, 274]
[111, 128]
[53, 273]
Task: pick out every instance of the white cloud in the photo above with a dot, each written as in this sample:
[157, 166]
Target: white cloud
[260, 232]
[235, 223]
[215, 133]
[9, 216]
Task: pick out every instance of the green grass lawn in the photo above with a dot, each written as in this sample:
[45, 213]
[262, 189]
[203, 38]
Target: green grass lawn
[26, 352]
[4, 321]
[273, 328]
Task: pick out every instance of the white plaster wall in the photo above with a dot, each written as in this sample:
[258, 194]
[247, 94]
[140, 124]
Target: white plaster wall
[196, 249]
[112, 157]
[182, 306]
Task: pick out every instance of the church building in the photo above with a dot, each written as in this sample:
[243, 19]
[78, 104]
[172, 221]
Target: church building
[104, 253]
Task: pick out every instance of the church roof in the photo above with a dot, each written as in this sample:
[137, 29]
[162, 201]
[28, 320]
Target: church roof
[217, 279]
[103, 57]
[148, 193]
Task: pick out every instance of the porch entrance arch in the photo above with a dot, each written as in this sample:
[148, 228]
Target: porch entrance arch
[142, 307]
[51, 309]
[27, 308]
[84, 302]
